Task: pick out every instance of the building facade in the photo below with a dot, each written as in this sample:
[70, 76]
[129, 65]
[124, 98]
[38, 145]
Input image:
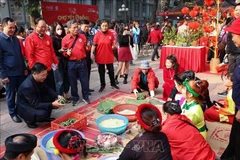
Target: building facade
[138, 10]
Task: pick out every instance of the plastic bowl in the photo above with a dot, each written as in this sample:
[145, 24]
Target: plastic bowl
[50, 154]
[121, 107]
[116, 130]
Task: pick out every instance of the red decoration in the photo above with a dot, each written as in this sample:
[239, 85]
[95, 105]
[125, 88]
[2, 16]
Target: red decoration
[209, 2]
[224, 15]
[208, 29]
[185, 10]
[193, 25]
[205, 14]
[195, 8]
[213, 13]
[206, 18]
[193, 13]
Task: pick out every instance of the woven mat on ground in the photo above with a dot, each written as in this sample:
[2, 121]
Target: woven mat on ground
[218, 133]
[218, 136]
[92, 114]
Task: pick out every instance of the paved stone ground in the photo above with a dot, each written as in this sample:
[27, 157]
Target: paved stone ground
[8, 127]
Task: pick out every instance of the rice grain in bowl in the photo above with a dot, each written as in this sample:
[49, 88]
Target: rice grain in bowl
[127, 110]
[112, 123]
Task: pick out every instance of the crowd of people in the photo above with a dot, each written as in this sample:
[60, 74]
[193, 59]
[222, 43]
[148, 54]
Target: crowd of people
[42, 65]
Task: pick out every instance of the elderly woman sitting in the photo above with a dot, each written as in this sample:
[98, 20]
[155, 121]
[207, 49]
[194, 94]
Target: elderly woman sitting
[144, 78]
[150, 144]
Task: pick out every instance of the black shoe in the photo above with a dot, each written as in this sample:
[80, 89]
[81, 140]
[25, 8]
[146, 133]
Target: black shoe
[121, 76]
[116, 81]
[32, 125]
[223, 94]
[55, 107]
[50, 119]
[101, 89]
[91, 90]
[125, 81]
[89, 93]
[86, 101]
[115, 86]
[153, 59]
[16, 119]
[74, 103]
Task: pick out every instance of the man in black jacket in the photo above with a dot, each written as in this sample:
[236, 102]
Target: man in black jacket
[12, 67]
[233, 148]
[35, 99]
[84, 29]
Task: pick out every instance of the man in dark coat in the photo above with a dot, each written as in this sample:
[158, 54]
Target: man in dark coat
[35, 99]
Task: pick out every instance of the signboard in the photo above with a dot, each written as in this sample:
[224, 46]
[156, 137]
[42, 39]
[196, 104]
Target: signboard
[63, 12]
[170, 13]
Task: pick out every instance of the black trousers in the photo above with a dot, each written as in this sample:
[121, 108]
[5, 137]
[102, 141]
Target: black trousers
[89, 63]
[101, 71]
[232, 152]
[155, 52]
[50, 80]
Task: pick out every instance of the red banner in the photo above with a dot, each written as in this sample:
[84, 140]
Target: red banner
[62, 12]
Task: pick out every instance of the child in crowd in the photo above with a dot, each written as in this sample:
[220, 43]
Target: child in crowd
[223, 111]
[150, 143]
[144, 78]
[171, 68]
[69, 144]
[191, 91]
[176, 91]
[188, 143]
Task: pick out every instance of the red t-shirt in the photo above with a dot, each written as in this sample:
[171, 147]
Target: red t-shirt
[40, 50]
[79, 49]
[104, 43]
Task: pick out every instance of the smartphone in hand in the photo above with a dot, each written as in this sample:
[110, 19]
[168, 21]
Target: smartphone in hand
[220, 104]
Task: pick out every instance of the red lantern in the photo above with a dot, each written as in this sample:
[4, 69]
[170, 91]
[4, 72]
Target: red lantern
[224, 15]
[206, 18]
[193, 13]
[195, 8]
[208, 29]
[205, 14]
[193, 25]
[185, 10]
[213, 13]
[209, 2]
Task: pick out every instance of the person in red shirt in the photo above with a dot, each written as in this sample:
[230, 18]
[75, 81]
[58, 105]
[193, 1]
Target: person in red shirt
[144, 78]
[171, 68]
[75, 46]
[103, 45]
[184, 138]
[155, 38]
[39, 48]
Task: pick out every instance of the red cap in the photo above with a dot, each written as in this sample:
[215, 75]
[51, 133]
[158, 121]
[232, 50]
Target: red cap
[69, 149]
[234, 28]
[138, 115]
